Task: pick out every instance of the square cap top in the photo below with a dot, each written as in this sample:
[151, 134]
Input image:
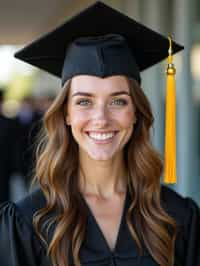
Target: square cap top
[147, 46]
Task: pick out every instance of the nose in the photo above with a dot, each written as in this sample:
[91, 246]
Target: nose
[100, 116]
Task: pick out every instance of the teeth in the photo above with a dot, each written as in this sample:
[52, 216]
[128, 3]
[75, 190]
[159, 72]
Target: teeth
[101, 136]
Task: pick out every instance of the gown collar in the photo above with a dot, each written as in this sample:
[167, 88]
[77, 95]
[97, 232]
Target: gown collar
[95, 246]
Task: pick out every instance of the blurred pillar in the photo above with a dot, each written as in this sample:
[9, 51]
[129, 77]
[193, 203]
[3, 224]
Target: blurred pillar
[186, 115]
[153, 15]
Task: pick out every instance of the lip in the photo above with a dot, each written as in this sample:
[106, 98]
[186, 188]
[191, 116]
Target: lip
[105, 141]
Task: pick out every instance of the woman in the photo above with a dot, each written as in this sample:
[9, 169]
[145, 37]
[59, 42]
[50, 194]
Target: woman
[99, 200]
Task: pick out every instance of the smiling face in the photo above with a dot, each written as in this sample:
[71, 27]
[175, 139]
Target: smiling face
[101, 114]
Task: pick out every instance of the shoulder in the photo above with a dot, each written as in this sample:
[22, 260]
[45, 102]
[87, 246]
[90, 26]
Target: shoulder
[22, 211]
[31, 204]
[183, 209]
[186, 213]
[18, 236]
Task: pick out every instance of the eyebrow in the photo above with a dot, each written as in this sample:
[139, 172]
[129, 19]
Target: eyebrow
[91, 95]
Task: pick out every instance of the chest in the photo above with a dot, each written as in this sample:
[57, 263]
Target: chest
[108, 216]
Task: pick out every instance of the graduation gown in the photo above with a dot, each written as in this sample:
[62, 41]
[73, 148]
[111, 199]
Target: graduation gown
[20, 246]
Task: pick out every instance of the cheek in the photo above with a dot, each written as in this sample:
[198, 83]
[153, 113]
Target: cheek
[78, 119]
[126, 118]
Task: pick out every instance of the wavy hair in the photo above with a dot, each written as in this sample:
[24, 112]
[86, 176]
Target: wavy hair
[56, 173]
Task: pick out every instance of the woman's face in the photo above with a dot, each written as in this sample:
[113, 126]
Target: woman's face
[101, 114]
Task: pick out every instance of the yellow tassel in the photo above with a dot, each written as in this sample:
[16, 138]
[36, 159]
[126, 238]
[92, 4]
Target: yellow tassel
[170, 126]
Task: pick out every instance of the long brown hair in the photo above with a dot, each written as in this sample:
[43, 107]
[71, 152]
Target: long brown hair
[57, 174]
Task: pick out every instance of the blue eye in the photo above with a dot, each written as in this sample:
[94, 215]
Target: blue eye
[119, 101]
[86, 102]
[83, 102]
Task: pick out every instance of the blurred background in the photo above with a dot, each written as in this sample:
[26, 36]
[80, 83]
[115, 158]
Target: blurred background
[26, 92]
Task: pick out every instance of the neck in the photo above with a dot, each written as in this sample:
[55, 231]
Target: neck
[104, 178]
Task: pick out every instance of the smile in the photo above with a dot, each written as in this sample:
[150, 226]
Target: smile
[102, 136]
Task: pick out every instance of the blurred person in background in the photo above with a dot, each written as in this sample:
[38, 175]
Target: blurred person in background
[29, 118]
[8, 150]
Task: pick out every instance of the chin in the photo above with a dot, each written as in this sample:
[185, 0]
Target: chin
[101, 157]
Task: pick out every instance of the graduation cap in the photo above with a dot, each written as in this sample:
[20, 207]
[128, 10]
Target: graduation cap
[102, 41]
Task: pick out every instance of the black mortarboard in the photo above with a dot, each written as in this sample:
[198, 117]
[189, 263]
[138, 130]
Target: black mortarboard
[114, 44]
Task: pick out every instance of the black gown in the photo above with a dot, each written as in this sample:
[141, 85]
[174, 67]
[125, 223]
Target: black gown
[20, 246]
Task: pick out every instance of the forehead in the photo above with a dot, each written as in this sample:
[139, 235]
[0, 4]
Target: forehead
[96, 84]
